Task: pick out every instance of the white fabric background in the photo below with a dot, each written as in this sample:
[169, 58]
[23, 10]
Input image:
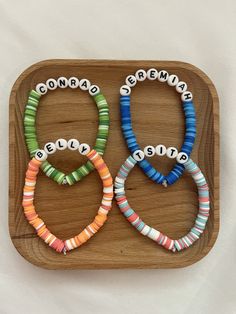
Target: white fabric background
[199, 32]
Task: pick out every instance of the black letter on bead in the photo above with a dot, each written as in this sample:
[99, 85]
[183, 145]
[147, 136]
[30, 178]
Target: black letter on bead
[137, 154]
[71, 145]
[49, 147]
[60, 144]
[73, 82]
[187, 96]
[51, 84]
[140, 75]
[62, 82]
[149, 151]
[152, 73]
[94, 89]
[83, 149]
[172, 151]
[131, 80]
[182, 86]
[183, 157]
[39, 154]
[42, 90]
[163, 75]
[84, 84]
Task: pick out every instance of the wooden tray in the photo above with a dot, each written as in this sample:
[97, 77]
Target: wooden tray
[157, 118]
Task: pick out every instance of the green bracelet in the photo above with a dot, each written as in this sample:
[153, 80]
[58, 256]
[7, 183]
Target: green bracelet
[30, 126]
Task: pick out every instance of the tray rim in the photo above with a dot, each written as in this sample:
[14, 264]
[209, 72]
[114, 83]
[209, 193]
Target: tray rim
[115, 62]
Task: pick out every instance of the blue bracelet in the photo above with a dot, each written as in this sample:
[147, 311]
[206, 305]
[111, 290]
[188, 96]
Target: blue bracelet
[190, 122]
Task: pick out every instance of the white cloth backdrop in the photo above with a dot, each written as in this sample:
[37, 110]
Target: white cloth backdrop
[199, 32]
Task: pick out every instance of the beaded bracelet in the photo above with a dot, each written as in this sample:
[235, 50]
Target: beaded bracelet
[190, 121]
[30, 125]
[163, 240]
[42, 231]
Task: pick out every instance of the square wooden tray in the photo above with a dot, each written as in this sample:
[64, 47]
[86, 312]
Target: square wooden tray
[157, 118]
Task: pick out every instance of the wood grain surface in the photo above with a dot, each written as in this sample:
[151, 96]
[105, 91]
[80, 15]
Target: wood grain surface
[157, 118]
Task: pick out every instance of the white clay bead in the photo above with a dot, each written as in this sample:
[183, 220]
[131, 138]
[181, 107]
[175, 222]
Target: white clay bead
[61, 144]
[181, 87]
[84, 84]
[50, 148]
[138, 155]
[73, 82]
[84, 149]
[149, 151]
[125, 90]
[94, 90]
[163, 76]
[152, 74]
[41, 88]
[62, 82]
[171, 152]
[131, 80]
[140, 75]
[172, 80]
[73, 144]
[41, 155]
[187, 96]
[182, 158]
[160, 150]
[51, 84]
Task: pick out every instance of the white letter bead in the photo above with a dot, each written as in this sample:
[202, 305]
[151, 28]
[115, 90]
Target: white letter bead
[62, 82]
[182, 158]
[73, 82]
[181, 87]
[50, 148]
[84, 149]
[172, 80]
[187, 96]
[149, 151]
[84, 84]
[152, 74]
[41, 155]
[163, 76]
[41, 88]
[171, 152]
[141, 75]
[131, 80]
[94, 90]
[73, 144]
[51, 84]
[61, 144]
[160, 150]
[138, 155]
[125, 90]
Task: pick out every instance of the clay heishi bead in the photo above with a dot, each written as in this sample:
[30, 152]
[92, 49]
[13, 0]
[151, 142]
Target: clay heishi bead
[51, 84]
[182, 158]
[61, 144]
[62, 82]
[73, 82]
[41, 155]
[181, 87]
[41, 88]
[84, 149]
[149, 151]
[160, 150]
[94, 90]
[172, 80]
[125, 90]
[73, 144]
[152, 74]
[171, 152]
[131, 81]
[138, 155]
[163, 76]
[50, 148]
[84, 84]
[187, 96]
[141, 75]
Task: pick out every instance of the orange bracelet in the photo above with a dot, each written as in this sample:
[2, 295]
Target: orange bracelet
[42, 231]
